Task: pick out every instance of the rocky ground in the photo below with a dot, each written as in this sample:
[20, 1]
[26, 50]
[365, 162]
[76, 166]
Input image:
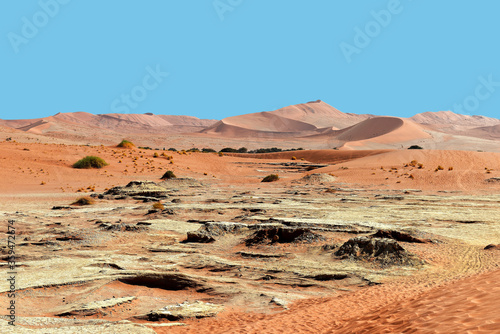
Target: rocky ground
[125, 264]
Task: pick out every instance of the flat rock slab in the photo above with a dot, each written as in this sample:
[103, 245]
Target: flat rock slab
[139, 188]
[95, 307]
[171, 225]
[107, 328]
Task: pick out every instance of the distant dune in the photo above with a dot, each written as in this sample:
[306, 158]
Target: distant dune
[312, 125]
[121, 123]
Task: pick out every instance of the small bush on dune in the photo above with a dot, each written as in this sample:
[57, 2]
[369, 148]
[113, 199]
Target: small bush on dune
[168, 175]
[415, 147]
[84, 201]
[271, 178]
[126, 144]
[90, 162]
[208, 150]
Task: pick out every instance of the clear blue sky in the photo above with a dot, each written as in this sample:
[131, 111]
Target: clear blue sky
[214, 59]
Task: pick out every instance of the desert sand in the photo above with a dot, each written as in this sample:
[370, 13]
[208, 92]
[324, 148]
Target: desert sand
[370, 237]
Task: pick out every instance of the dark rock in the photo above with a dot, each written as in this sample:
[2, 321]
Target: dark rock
[399, 236]
[493, 180]
[385, 251]
[282, 235]
[390, 197]
[61, 207]
[329, 277]
[139, 188]
[208, 232]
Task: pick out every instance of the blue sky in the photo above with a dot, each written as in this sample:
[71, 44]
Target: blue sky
[214, 59]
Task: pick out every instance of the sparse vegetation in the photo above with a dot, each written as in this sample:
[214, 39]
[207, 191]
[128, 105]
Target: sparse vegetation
[168, 175]
[158, 206]
[271, 178]
[84, 201]
[229, 150]
[208, 150]
[90, 162]
[294, 158]
[439, 168]
[450, 168]
[126, 144]
[415, 147]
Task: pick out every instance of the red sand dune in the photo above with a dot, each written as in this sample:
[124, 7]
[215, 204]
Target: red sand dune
[449, 117]
[299, 120]
[82, 122]
[469, 305]
[258, 124]
[320, 114]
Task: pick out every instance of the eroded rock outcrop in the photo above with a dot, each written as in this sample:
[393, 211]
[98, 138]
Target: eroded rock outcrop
[383, 250]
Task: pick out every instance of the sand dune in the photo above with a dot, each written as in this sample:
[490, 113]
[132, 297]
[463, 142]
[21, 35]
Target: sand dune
[257, 124]
[320, 114]
[467, 306]
[449, 117]
[376, 130]
[80, 124]
[313, 125]
[297, 120]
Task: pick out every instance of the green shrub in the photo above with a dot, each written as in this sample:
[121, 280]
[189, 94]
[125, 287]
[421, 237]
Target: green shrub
[172, 149]
[126, 144]
[90, 162]
[415, 147]
[271, 178]
[242, 150]
[229, 150]
[168, 175]
[208, 150]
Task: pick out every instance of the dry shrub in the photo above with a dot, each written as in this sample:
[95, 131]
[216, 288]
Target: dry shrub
[84, 201]
[271, 178]
[90, 162]
[158, 206]
[126, 144]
